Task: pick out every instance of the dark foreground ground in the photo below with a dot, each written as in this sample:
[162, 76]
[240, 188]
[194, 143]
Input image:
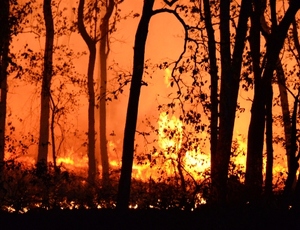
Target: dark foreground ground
[206, 218]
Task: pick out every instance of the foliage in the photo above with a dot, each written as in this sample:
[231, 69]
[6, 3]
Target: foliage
[22, 188]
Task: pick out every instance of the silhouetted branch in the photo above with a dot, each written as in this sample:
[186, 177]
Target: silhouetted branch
[170, 3]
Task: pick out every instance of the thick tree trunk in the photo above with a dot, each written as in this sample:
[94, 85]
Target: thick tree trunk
[104, 28]
[92, 171]
[46, 84]
[4, 51]
[230, 78]
[254, 162]
[132, 109]
[220, 172]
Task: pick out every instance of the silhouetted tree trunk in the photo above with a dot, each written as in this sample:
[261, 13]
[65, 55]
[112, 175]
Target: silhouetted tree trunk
[287, 126]
[230, 78]
[5, 38]
[220, 173]
[293, 157]
[104, 50]
[132, 109]
[287, 193]
[46, 84]
[52, 122]
[91, 43]
[253, 180]
[257, 122]
[213, 70]
[269, 143]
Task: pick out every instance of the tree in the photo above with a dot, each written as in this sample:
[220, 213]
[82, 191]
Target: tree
[294, 158]
[255, 44]
[91, 40]
[91, 43]
[5, 38]
[230, 79]
[213, 70]
[46, 84]
[12, 16]
[257, 122]
[104, 51]
[269, 97]
[132, 108]
[291, 192]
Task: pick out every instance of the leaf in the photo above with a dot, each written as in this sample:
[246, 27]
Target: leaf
[136, 15]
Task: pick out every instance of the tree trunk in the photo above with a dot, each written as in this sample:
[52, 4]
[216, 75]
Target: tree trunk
[257, 122]
[293, 158]
[287, 193]
[287, 126]
[4, 59]
[253, 180]
[230, 78]
[269, 143]
[92, 171]
[52, 122]
[132, 109]
[220, 172]
[46, 84]
[213, 70]
[104, 28]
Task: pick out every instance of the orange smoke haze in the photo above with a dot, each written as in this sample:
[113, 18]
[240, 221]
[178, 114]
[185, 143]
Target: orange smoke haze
[165, 43]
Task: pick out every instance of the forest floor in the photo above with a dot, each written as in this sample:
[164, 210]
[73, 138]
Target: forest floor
[205, 218]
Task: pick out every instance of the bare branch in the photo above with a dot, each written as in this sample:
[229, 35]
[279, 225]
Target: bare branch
[170, 3]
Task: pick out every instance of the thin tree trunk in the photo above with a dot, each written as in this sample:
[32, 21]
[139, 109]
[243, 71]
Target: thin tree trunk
[287, 193]
[257, 122]
[92, 171]
[52, 134]
[230, 78]
[293, 164]
[269, 143]
[254, 179]
[132, 109]
[266, 30]
[46, 84]
[287, 126]
[104, 28]
[4, 51]
[213, 70]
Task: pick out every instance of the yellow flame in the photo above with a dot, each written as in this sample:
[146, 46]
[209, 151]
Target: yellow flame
[167, 77]
[170, 132]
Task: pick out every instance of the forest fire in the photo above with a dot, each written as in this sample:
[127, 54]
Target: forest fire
[83, 126]
[172, 158]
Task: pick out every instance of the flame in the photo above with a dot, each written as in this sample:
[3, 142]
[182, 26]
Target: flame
[170, 144]
[170, 132]
[168, 77]
[171, 140]
[74, 161]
